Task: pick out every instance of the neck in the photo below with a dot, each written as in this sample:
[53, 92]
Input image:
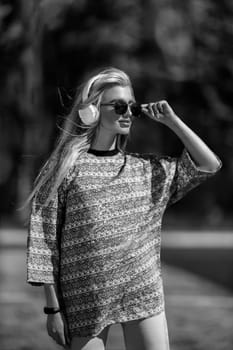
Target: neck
[104, 141]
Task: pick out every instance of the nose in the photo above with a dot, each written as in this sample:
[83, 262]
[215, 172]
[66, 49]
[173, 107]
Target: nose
[128, 113]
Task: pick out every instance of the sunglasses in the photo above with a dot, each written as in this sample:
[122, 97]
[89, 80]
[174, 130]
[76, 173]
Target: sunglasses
[121, 107]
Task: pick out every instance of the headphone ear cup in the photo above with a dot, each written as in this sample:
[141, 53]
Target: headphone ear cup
[89, 115]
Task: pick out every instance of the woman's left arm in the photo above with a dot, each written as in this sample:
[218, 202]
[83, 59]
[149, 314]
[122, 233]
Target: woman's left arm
[204, 158]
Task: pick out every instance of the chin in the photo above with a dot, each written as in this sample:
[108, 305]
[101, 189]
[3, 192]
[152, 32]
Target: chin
[124, 131]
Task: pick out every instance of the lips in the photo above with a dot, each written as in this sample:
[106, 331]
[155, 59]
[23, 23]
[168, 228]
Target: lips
[125, 122]
[125, 125]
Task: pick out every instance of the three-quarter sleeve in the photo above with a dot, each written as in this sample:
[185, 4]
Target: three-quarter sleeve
[184, 175]
[45, 226]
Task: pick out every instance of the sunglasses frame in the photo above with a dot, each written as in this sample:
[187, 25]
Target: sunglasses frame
[119, 104]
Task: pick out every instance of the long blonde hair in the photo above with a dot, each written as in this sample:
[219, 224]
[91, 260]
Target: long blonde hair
[76, 138]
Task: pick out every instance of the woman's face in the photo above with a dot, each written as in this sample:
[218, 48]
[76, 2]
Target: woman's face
[110, 121]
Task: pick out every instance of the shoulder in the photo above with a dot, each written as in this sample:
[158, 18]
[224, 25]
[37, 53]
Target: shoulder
[159, 165]
[152, 158]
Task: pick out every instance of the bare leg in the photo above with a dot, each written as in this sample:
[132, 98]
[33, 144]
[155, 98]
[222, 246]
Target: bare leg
[147, 333]
[90, 343]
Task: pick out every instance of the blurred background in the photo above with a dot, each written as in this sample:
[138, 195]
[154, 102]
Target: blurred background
[181, 51]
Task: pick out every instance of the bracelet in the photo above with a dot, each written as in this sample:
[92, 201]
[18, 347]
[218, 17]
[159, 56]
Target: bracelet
[51, 310]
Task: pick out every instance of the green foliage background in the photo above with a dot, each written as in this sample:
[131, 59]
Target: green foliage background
[175, 50]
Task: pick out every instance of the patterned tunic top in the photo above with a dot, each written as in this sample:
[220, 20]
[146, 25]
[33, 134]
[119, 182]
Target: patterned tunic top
[99, 238]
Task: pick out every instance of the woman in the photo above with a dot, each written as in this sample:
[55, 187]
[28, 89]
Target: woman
[94, 237]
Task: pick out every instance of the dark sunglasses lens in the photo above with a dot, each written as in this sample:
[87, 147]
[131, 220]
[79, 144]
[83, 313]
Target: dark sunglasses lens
[120, 107]
[136, 109]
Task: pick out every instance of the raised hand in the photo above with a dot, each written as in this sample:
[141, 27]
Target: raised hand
[159, 111]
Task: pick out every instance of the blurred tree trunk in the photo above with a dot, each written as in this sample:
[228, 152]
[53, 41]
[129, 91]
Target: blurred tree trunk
[31, 103]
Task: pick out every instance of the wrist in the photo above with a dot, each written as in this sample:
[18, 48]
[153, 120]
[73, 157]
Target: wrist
[173, 121]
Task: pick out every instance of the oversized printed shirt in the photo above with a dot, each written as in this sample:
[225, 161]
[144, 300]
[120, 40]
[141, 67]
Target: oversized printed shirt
[99, 239]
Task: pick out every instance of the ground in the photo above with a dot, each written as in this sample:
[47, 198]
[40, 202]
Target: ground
[199, 312]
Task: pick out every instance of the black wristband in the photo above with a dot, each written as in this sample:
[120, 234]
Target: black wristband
[51, 310]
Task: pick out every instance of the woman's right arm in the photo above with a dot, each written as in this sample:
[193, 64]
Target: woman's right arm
[43, 258]
[56, 325]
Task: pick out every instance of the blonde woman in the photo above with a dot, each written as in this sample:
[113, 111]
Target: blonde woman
[94, 235]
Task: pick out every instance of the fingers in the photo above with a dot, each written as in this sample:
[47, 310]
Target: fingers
[155, 110]
[158, 107]
[66, 333]
[152, 109]
[148, 109]
[60, 339]
[57, 336]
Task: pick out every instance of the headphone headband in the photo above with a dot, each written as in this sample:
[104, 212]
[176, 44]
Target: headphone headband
[88, 86]
[90, 114]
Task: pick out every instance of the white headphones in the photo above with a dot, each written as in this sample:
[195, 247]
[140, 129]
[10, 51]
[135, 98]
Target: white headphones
[90, 114]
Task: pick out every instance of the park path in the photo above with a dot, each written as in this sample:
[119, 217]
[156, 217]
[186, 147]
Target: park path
[199, 312]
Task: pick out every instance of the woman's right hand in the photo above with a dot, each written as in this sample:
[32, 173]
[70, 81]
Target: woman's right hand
[57, 329]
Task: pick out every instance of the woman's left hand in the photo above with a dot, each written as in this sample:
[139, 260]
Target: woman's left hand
[159, 111]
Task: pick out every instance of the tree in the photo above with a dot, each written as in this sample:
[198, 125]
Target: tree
[179, 50]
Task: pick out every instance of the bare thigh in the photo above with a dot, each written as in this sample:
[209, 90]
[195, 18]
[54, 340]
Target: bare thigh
[90, 343]
[147, 333]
